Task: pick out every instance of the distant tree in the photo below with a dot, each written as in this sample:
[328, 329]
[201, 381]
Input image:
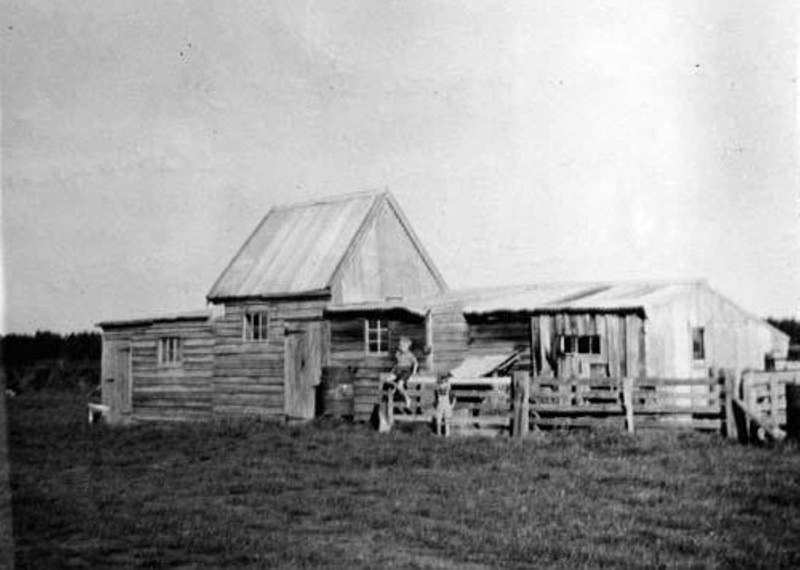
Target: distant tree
[16, 349]
[47, 359]
[789, 326]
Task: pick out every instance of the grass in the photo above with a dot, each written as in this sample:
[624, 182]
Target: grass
[255, 494]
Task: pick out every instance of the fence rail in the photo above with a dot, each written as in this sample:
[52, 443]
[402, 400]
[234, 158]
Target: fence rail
[521, 403]
[674, 402]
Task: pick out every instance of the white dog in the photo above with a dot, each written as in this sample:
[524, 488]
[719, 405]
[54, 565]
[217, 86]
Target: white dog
[445, 401]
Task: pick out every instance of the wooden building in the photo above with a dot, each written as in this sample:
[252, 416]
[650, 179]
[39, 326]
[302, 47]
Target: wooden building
[333, 285]
[264, 349]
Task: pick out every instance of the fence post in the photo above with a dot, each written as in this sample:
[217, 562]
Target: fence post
[773, 400]
[729, 379]
[627, 402]
[521, 411]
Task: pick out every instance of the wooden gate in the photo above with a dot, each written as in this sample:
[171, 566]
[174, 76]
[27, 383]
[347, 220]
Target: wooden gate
[305, 353]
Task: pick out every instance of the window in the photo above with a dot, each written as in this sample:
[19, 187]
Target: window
[169, 350]
[376, 336]
[580, 344]
[698, 343]
[256, 326]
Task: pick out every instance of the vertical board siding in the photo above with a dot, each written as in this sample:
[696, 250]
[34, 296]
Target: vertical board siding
[619, 353]
[385, 263]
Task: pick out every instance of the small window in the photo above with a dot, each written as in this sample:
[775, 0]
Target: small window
[698, 343]
[376, 336]
[256, 326]
[580, 344]
[169, 350]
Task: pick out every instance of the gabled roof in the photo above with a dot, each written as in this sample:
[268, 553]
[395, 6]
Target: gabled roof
[299, 249]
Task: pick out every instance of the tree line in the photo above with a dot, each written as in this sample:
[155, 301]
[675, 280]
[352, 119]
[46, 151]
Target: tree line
[789, 326]
[16, 349]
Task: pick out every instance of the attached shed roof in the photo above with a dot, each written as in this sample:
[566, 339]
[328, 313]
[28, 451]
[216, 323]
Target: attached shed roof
[536, 298]
[605, 297]
[298, 249]
[200, 315]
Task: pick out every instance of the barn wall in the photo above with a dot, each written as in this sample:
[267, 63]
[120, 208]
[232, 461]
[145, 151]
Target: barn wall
[248, 376]
[622, 345]
[384, 264]
[733, 338]
[347, 349]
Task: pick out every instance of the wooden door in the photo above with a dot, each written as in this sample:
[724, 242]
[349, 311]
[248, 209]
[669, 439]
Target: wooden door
[117, 382]
[304, 354]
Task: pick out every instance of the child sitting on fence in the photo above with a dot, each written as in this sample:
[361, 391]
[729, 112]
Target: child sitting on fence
[444, 401]
[404, 369]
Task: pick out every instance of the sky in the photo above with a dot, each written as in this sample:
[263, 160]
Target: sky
[142, 141]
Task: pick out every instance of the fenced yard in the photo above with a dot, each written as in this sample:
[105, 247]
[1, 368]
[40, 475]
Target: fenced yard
[752, 406]
[254, 494]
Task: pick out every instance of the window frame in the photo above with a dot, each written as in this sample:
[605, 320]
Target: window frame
[698, 355]
[255, 326]
[381, 340]
[170, 351]
[572, 344]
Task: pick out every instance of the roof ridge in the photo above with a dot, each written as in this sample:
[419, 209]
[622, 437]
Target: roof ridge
[331, 199]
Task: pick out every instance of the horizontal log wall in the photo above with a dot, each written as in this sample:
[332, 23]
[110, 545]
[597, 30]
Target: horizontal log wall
[455, 337]
[247, 375]
[177, 390]
[450, 337]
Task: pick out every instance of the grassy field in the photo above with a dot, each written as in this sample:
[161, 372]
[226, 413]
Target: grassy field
[253, 494]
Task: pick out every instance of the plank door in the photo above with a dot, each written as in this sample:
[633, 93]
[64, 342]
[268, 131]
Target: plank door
[117, 381]
[304, 352]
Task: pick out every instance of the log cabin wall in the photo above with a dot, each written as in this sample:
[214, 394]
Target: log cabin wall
[501, 334]
[450, 336]
[456, 336]
[248, 376]
[348, 350]
[563, 345]
[178, 389]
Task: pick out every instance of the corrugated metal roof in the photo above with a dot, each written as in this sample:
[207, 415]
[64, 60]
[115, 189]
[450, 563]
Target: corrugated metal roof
[295, 249]
[578, 297]
[541, 297]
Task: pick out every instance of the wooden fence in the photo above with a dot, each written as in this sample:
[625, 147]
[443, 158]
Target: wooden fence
[481, 404]
[764, 395]
[651, 402]
[519, 404]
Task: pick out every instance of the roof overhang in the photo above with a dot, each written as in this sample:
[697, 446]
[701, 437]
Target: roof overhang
[302, 295]
[378, 307]
[194, 316]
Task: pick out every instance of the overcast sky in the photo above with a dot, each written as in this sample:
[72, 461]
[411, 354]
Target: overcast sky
[142, 141]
